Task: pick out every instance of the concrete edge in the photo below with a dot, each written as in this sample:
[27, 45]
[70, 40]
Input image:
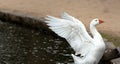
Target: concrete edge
[24, 20]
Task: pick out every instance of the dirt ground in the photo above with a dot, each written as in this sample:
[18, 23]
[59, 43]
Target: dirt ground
[85, 10]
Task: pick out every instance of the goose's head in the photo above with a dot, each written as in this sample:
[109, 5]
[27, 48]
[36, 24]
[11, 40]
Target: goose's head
[96, 21]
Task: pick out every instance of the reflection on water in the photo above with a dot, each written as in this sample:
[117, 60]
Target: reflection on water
[19, 45]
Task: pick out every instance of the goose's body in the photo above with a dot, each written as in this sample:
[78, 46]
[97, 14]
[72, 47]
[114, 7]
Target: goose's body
[73, 30]
[95, 54]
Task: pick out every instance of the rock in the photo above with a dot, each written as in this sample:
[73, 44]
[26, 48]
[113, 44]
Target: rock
[105, 40]
[111, 52]
[118, 48]
[110, 45]
[116, 61]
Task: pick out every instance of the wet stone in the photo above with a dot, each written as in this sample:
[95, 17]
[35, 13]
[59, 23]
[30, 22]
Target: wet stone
[116, 61]
[118, 48]
[110, 45]
[111, 52]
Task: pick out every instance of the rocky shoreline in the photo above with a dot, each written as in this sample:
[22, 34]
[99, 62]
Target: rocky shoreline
[112, 53]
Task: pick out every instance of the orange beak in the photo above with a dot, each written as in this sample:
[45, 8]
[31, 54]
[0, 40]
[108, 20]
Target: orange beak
[100, 21]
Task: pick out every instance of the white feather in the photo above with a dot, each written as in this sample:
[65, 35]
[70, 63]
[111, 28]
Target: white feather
[72, 30]
[77, 36]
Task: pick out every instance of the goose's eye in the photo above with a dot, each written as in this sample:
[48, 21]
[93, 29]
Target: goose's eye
[95, 20]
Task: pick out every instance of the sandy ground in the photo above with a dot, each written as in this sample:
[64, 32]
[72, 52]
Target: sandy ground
[85, 10]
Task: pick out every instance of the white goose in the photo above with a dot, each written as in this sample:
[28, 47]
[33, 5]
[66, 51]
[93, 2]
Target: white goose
[74, 31]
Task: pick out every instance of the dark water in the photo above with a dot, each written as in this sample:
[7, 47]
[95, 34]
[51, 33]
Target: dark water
[20, 45]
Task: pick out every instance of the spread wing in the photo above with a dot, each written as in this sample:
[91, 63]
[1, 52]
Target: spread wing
[72, 31]
[73, 19]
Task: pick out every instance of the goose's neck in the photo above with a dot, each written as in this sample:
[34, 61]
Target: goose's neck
[94, 30]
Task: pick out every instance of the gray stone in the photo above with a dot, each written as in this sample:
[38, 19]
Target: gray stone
[116, 61]
[111, 52]
[118, 48]
[105, 40]
[110, 45]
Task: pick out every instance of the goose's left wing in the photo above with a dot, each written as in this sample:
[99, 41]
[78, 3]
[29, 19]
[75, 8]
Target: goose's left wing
[62, 27]
[73, 19]
[72, 31]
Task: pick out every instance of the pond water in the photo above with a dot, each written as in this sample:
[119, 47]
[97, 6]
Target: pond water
[21, 45]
